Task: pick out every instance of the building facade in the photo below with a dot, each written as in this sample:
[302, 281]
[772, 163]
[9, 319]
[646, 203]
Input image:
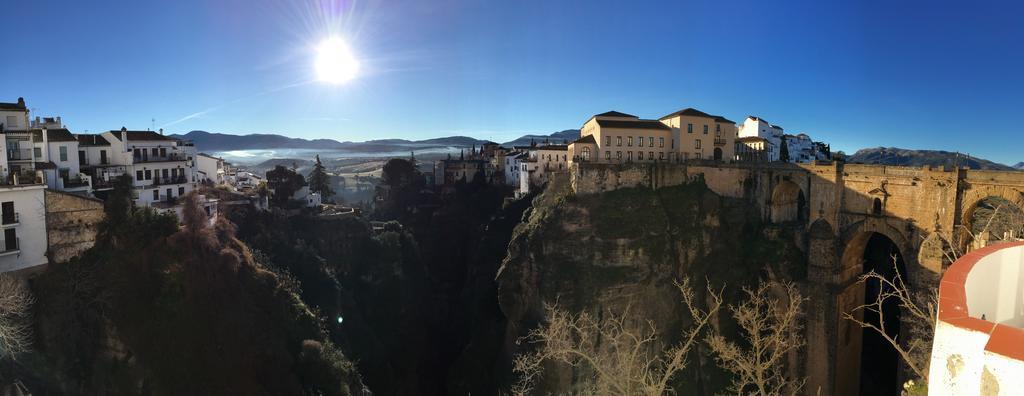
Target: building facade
[697, 135]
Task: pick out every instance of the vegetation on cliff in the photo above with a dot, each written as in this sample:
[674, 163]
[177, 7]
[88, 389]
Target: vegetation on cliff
[624, 250]
[154, 309]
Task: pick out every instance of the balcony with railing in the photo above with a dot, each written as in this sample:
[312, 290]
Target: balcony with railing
[76, 182]
[720, 141]
[160, 181]
[19, 154]
[22, 178]
[10, 247]
[9, 219]
[171, 157]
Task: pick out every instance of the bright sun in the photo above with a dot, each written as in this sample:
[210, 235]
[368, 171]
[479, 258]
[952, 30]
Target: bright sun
[334, 62]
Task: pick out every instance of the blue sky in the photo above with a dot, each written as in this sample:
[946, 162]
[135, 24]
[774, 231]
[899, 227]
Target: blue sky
[913, 74]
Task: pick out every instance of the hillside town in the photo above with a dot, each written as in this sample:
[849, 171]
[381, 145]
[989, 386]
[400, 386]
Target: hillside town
[686, 136]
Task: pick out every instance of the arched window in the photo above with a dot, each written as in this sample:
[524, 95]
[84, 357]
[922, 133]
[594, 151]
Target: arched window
[876, 207]
[586, 153]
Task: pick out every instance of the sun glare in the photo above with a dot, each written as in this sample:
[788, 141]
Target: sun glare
[334, 62]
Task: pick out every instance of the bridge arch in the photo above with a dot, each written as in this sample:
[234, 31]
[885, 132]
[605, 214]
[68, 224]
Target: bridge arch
[865, 362]
[992, 215]
[788, 203]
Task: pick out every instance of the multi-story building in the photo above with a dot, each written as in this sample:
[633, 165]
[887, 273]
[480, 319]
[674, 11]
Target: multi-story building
[697, 135]
[22, 213]
[614, 137]
[210, 169]
[513, 164]
[540, 164]
[753, 149]
[57, 154]
[758, 127]
[161, 168]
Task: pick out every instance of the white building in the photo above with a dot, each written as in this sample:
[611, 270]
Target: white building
[22, 202]
[978, 348]
[540, 164]
[57, 154]
[161, 168]
[758, 127]
[513, 163]
[210, 168]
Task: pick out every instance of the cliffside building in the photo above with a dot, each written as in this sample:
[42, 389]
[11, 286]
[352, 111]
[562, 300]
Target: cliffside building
[688, 134]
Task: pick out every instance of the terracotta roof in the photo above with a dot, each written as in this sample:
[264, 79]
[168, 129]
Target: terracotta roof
[692, 112]
[140, 135]
[53, 135]
[92, 140]
[586, 139]
[614, 113]
[19, 105]
[633, 124]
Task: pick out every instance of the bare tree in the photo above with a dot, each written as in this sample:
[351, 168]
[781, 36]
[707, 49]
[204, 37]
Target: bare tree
[921, 308]
[771, 328]
[15, 308]
[621, 357]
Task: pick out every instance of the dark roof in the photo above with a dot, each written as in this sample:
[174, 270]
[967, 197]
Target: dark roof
[92, 140]
[614, 113]
[19, 105]
[776, 127]
[689, 111]
[752, 139]
[141, 135]
[553, 147]
[633, 124]
[53, 135]
[586, 139]
[46, 165]
[723, 119]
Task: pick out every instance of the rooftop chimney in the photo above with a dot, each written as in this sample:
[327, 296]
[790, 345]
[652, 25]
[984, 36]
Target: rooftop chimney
[21, 101]
[161, 131]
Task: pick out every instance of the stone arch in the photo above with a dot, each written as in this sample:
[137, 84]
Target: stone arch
[788, 203]
[865, 363]
[970, 230]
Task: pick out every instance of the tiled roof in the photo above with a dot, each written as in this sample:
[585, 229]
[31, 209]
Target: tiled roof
[53, 135]
[20, 105]
[614, 113]
[692, 112]
[633, 124]
[92, 140]
[140, 135]
[586, 139]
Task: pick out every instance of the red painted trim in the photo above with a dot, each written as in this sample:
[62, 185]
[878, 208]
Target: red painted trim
[1003, 340]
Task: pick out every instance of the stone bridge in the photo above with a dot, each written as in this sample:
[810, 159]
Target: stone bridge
[855, 218]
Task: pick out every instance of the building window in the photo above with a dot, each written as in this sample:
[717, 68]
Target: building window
[163, 152]
[156, 195]
[661, 142]
[149, 174]
[661, 155]
[650, 141]
[138, 175]
[650, 155]
[618, 155]
[640, 141]
[689, 128]
[607, 140]
[63, 153]
[618, 140]
[696, 155]
[718, 129]
[38, 152]
[81, 157]
[640, 155]
[705, 129]
[607, 155]
[629, 156]
[629, 141]
[165, 173]
[586, 154]
[697, 143]
[8, 213]
[153, 152]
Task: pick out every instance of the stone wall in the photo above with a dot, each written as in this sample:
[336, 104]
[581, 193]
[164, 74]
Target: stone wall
[71, 224]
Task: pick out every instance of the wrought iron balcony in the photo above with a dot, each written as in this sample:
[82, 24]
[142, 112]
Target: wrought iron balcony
[720, 141]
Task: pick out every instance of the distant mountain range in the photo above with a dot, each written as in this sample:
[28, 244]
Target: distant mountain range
[209, 142]
[905, 157]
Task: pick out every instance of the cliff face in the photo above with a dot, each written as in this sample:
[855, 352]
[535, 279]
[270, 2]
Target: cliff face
[626, 248]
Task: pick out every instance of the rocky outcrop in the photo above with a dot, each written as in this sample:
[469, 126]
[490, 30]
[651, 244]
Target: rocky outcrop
[626, 248]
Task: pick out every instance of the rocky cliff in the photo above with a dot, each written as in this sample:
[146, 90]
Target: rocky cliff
[624, 248]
